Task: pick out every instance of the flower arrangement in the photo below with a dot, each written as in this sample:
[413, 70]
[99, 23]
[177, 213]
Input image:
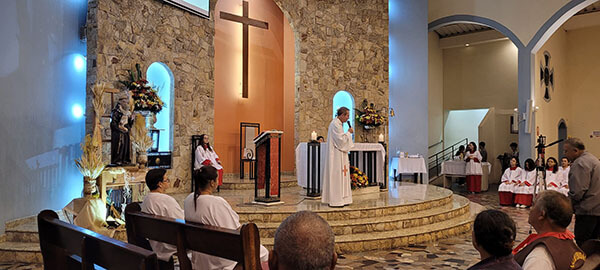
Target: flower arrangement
[145, 98]
[357, 178]
[369, 117]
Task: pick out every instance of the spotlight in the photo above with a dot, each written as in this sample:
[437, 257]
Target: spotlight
[77, 111]
[79, 62]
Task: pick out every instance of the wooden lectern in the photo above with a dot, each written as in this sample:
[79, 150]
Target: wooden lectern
[268, 167]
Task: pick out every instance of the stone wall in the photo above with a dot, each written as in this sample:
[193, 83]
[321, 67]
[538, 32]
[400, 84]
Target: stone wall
[340, 45]
[122, 33]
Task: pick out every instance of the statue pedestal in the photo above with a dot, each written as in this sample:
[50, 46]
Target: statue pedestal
[115, 178]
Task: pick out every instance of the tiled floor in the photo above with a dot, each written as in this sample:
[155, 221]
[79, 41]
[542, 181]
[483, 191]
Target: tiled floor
[454, 253]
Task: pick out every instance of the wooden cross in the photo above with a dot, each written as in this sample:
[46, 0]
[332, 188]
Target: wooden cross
[344, 170]
[245, 21]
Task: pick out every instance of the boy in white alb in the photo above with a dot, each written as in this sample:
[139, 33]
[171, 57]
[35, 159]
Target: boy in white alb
[158, 203]
[205, 208]
[563, 171]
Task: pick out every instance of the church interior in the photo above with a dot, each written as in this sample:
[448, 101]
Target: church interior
[96, 93]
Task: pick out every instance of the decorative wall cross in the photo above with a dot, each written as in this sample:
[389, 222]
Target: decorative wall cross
[245, 21]
[547, 76]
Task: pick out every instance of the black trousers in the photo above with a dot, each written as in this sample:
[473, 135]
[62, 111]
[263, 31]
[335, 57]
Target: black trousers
[586, 228]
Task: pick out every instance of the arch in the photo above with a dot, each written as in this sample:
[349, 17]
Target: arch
[476, 20]
[160, 76]
[557, 20]
[562, 135]
[343, 98]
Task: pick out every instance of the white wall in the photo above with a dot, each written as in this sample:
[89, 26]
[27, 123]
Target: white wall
[408, 76]
[462, 124]
[38, 87]
[436, 94]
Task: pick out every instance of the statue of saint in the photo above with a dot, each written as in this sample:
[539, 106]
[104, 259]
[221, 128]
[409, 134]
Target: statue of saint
[120, 125]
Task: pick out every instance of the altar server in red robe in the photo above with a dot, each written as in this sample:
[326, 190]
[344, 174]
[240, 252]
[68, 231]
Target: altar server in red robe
[473, 169]
[509, 181]
[206, 156]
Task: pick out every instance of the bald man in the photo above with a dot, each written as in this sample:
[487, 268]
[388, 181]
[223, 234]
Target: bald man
[303, 241]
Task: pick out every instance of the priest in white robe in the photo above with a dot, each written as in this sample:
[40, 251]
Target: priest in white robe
[158, 203]
[336, 184]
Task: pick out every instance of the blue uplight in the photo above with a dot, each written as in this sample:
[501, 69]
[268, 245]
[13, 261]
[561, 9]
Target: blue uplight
[77, 111]
[79, 62]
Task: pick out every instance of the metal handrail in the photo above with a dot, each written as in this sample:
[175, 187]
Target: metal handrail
[435, 144]
[435, 160]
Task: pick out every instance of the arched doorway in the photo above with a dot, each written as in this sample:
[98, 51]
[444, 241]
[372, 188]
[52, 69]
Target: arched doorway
[562, 135]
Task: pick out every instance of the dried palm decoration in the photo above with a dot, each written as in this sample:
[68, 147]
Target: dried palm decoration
[139, 135]
[90, 164]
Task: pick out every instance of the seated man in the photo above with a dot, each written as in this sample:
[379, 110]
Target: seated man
[158, 203]
[553, 246]
[304, 240]
[494, 234]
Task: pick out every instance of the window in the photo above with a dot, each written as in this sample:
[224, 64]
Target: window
[344, 99]
[161, 78]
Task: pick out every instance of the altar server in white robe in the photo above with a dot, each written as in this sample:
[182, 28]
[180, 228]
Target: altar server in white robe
[563, 171]
[336, 185]
[205, 208]
[207, 156]
[553, 178]
[158, 203]
[524, 191]
[509, 181]
[473, 169]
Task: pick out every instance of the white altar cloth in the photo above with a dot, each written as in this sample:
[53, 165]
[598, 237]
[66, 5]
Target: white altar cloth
[409, 166]
[457, 167]
[301, 159]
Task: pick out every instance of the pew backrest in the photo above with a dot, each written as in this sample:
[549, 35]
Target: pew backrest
[242, 246]
[66, 246]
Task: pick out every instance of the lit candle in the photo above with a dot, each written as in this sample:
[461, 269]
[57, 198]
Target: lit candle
[313, 136]
[381, 138]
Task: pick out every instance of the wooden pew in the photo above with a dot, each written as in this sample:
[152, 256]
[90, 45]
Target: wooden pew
[66, 246]
[242, 246]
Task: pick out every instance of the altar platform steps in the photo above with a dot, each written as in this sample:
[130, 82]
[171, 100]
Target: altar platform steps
[232, 182]
[386, 223]
[20, 242]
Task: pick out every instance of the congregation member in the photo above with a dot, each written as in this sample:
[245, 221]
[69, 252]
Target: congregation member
[207, 156]
[483, 152]
[514, 149]
[473, 169]
[158, 203]
[553, 178]
[584, 190]
[524, 189]
[205, 208]
[552, 246]
[336, 184]
[509, 181]
[494, 234]
[563, 170]
[304, 240]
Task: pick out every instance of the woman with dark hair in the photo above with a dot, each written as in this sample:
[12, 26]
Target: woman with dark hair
[205, 208]
[206, 156]
[494, 234]
[460, 154]
[524, 190]
[473, 169]
[553, 178]
[509, 182]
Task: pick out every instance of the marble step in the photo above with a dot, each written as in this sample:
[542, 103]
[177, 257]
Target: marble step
[353, 243]
[232, 183]
[459, 207]
[353, 212]
[25, 233]
[20, 252]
